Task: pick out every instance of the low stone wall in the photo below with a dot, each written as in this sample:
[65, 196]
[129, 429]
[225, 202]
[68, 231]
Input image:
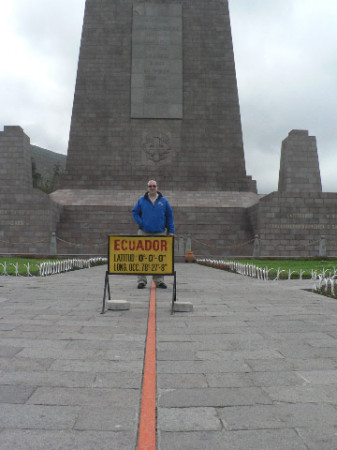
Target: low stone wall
[27, 221]
[292, 224]
[211, 231]
[214, 223]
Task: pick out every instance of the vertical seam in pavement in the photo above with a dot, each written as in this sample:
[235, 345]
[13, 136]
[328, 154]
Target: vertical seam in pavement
[147, 421]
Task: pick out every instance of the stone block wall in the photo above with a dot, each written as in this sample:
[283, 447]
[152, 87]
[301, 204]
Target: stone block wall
[216, 232]
[217, 223]
[213, 231]
[112, 146]
[294, 220]
[27, 216]
[292, 224]
[27, 221]
[299, 167]
[15, 160]
[85, 230]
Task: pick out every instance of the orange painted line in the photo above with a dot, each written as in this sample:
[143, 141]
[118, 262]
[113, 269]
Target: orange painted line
[147, 422]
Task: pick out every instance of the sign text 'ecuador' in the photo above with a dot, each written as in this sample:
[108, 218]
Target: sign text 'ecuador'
[141, 255]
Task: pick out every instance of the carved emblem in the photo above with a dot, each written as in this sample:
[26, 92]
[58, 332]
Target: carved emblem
[157, 147]
[139, 10]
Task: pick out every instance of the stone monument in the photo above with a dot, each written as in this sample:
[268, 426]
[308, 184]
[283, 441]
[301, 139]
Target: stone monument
[28, 217]
[299, 167]
[156, 97]
[299, 218]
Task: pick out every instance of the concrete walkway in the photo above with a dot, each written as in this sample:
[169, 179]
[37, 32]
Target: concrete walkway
[253, 367]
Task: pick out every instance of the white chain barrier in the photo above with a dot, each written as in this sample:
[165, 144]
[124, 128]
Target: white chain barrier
[49, 267]
[327, 285]
[266, 273]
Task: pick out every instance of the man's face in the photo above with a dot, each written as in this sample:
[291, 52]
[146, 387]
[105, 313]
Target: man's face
[152, 187]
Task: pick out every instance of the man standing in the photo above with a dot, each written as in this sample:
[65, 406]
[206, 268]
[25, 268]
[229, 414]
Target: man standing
[153, 214]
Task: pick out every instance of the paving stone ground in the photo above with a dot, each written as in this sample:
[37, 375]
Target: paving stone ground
[253, 367]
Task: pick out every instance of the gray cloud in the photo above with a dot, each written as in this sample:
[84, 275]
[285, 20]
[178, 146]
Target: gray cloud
[286, 63]
[41, 45]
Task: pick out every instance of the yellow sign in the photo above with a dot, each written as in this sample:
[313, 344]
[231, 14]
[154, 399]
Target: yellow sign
[152, 255]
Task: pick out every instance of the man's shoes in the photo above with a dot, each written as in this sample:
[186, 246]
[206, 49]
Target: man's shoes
[141, 285]
[161, 285]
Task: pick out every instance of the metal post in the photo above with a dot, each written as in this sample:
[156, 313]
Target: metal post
[174, 294]
[106, 287]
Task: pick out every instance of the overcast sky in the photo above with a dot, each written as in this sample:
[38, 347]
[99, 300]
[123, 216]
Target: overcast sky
[286, 62]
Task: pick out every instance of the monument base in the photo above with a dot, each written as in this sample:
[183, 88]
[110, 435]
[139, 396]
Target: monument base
[216, 222]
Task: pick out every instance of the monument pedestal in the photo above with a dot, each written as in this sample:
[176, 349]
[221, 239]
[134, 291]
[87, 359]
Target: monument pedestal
[216, 221]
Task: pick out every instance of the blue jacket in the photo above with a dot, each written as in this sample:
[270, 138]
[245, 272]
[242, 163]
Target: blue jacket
[153, 218]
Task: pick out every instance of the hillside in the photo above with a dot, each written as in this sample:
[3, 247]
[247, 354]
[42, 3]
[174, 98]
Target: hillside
[46, 160]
